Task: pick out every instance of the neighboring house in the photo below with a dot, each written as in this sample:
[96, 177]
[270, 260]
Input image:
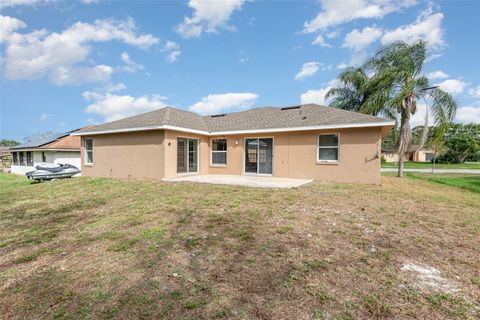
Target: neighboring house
[60, 148]
[415, 153]
[307, 141]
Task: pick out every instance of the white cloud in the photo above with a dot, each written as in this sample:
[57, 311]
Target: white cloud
[436, 75]
[318, 95]
[90, 1]
[314, 96]
[114, 107]
[7, 26]
[342, 65]
[208, 16]
[358, 40]
[78, 75]
[58, 55]
[172, 50]
[452, 86]
[475, 92]
[427, 27]
[130, 65]
[333, 34]
[12, 3]
[308, 70]
[468, 114]
[334, 13]
[320, 41]
[216, 103]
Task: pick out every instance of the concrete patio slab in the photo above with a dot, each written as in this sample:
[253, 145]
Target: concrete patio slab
[245, 181]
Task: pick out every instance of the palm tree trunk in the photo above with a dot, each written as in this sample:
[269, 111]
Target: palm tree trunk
[405, 135]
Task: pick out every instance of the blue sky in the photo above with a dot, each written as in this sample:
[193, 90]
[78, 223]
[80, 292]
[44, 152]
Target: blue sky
[67, 64]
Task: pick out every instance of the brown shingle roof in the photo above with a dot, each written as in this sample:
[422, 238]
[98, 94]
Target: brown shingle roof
[68, 142]
[253, 119]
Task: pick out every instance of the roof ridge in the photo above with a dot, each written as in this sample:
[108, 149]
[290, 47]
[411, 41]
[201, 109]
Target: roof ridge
[345, 111]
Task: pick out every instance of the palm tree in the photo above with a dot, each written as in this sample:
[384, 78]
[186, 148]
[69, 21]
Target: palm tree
[390, 84]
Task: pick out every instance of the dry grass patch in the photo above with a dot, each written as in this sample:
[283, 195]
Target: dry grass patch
[109, 249]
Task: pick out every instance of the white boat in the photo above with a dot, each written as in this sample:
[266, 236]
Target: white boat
[49, 173]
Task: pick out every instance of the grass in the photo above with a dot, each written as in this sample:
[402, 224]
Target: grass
[467, 182]
[428, 165]
[88, 248]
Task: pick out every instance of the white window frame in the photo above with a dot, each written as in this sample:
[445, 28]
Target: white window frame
[221, 151]
[328, 147]
[88, 151]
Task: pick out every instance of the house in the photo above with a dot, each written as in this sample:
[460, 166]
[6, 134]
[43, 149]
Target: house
[414, 153]
[60, 148]
[306, 141]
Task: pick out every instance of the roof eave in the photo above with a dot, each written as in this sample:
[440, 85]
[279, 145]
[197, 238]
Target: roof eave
[245, 131]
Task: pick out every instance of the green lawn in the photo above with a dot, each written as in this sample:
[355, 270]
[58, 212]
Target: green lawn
[428, 165]
[468, 182]
[87, 248]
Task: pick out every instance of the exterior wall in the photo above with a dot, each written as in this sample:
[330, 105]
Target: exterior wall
[390, 156]
[21, 170]
[126, 155]
[63, 157]
[153, 154]
[294, 155]
[170, 145]
[421, 155]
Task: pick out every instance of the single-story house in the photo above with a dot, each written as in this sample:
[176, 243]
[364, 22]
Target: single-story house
[62, 148]
[414, 153]
[306, 142]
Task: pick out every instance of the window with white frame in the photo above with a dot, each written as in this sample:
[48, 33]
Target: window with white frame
[219, 152]
[328, 147]
[89, 151]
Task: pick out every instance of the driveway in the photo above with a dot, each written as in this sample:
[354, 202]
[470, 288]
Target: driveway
[246, 181]
[462, 171]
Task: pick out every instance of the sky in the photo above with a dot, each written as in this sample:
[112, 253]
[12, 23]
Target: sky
[68, 64]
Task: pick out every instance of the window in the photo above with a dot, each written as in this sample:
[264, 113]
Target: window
[89, 151]
[15, 158]
[22, 158]
[219, 152]
[44, 157]
[327, 147]
[29, 158]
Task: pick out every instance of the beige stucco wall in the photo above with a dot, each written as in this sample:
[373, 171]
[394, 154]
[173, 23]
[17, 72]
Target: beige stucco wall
[421, 155]
[294, 155]
[126, 155]
[153, 154]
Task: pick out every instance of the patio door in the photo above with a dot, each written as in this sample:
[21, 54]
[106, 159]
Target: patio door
[259, 156]
[187, 155]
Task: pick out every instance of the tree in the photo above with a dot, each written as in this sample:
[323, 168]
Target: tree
[8, 143]
[463, 142]
[390, 84]
[436, 143]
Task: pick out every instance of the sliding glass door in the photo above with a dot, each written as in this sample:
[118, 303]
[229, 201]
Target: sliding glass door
[259, 156]
[187, 155]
